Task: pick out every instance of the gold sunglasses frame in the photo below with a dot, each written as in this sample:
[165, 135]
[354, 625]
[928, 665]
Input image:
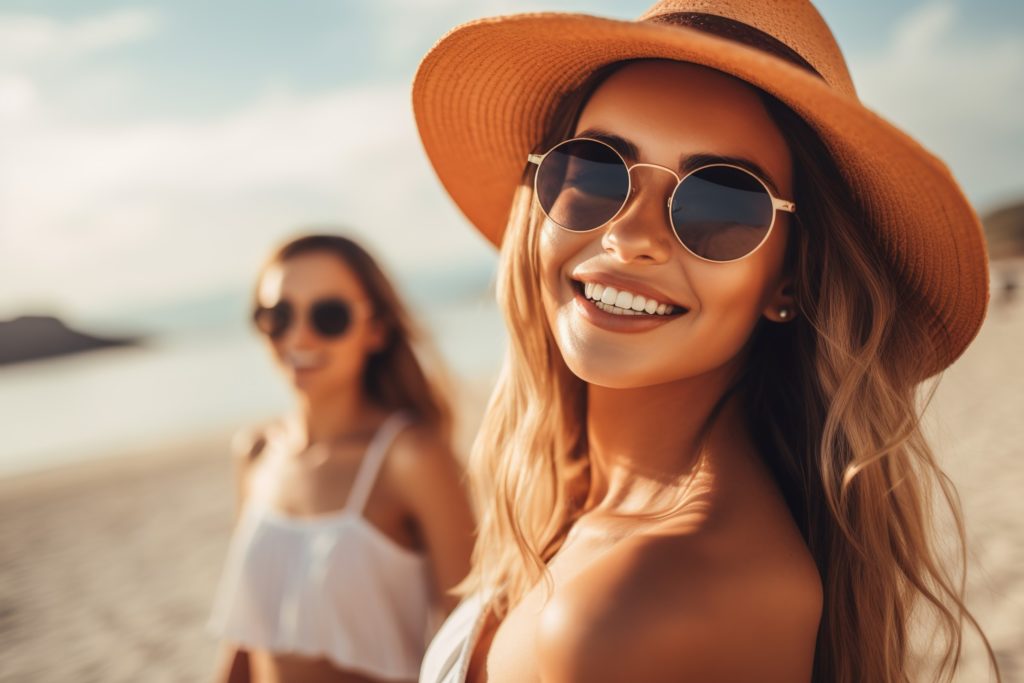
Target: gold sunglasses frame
[778, 204]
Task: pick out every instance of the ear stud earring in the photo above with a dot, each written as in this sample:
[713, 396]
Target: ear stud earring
[784, 314]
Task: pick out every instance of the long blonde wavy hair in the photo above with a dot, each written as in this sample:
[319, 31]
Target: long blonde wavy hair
[836, 415]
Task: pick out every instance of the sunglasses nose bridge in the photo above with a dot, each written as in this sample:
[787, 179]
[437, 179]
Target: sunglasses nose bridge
[302, 330]
[633, 185]
[666, 169]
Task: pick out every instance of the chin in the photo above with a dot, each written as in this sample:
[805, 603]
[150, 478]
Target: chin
[308, 386]
[610, 363]
[604, 370]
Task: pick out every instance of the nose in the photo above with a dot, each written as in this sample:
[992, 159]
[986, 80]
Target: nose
[299, 335]
[642, 232]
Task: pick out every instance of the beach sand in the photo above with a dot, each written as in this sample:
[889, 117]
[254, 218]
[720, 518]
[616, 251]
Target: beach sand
[107, 569]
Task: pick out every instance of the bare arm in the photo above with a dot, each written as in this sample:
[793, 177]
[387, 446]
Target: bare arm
[430, 481]
[232, 665]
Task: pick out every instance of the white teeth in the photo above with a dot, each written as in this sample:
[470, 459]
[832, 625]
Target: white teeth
[615, 309]
[622, 302]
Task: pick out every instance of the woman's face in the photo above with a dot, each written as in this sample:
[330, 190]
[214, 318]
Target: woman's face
[315, 364]
[667, 111]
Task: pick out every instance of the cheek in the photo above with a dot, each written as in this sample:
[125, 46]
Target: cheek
[349, 351]
[731, 300]
[277, 350]
[558, 252]
[737, 290]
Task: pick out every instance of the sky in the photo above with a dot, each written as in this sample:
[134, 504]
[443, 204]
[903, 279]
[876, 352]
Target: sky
[153, 152]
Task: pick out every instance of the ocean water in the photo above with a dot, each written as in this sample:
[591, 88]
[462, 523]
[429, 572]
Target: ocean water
[203, 379]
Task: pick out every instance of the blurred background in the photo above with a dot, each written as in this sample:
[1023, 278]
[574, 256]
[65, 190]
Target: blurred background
[152, 154]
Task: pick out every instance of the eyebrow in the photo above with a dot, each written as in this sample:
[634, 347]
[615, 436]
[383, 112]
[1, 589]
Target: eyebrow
[687, 162]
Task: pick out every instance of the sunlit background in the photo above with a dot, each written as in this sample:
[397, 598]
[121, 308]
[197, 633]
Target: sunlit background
[151, 155]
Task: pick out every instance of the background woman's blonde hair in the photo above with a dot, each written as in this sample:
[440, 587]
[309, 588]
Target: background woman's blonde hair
[833, 400]
[405, 374]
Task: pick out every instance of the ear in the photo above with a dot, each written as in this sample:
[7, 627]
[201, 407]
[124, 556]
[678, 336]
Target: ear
[781, 306]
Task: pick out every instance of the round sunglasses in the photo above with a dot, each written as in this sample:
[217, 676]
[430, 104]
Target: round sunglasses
[329, 318]
[719, 212]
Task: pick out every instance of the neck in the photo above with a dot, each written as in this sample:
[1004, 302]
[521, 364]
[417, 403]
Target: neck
[331, 417]
[640, 440]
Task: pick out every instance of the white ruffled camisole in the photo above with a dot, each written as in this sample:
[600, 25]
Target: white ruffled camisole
[331, 586]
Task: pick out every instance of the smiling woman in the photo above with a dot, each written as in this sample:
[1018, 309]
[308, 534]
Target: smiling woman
[727, 281]
[352, 523]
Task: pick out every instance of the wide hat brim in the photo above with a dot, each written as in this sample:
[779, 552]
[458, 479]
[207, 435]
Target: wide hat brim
[485, 91]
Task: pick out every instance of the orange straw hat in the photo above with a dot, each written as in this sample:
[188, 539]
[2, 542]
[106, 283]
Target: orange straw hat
[486, 91]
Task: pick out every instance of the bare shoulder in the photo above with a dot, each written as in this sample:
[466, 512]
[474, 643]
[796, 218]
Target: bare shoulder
[247, 443]
[421, 460]
[690, 606]
[417, 448]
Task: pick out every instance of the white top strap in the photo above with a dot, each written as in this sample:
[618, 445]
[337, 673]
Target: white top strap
[373, 459]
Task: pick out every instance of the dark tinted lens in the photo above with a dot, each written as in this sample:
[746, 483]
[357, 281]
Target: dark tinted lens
[273, 320]
[582, 184]
[330, 317]
[721, 213]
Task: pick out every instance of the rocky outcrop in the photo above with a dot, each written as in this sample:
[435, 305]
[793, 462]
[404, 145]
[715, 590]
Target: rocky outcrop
[36, 337]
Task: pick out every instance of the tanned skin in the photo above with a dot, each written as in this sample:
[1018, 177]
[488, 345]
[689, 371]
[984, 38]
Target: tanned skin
[725, 591]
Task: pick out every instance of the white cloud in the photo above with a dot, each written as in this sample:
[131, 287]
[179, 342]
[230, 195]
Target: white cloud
[960, 94]
[28, 38]
[96, 215]
[99, 215]
[17, 96]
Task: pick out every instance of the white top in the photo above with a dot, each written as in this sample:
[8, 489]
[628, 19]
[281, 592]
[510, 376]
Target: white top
[331, 585]
[447, 658]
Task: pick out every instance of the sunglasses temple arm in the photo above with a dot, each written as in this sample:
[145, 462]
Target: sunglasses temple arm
[783, 205]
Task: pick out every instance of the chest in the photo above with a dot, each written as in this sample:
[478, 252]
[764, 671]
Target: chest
[307, 483]
[510, 651]
[304, 488]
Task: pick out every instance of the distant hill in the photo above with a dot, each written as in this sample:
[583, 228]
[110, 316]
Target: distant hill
[1004, 231]
[36, 337]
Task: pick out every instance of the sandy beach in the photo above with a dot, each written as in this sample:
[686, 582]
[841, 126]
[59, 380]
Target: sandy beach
[107, 568]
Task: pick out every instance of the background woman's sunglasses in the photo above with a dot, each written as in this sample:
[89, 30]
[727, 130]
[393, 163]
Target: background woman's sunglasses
[718, 212]
[329, 318]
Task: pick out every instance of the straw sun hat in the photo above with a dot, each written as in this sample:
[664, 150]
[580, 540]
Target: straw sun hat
[485, 92]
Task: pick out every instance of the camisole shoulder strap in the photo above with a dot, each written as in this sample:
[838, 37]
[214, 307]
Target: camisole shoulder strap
[373, 459]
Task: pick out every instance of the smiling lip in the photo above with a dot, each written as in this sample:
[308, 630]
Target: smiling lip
[588, 310]
[619, 323]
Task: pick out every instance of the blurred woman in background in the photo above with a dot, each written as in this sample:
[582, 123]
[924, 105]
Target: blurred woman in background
[352, 523]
